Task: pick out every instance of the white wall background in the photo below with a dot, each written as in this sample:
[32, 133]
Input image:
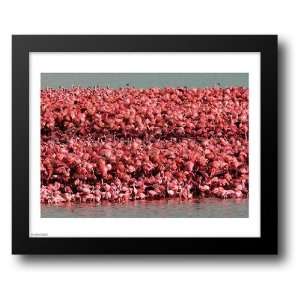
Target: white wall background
[173, 277]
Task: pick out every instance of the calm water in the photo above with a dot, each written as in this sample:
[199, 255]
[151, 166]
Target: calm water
[143, 80]
[151, 209]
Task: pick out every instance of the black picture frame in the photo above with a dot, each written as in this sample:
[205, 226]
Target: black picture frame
[22, 45]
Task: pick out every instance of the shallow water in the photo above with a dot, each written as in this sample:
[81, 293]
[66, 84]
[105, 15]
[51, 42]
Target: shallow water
[151, 209]
[143, 80]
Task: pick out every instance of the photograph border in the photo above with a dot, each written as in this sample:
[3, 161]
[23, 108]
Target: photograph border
[22, 45]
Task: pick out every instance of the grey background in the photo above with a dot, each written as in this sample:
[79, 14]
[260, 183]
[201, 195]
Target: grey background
[143, 80]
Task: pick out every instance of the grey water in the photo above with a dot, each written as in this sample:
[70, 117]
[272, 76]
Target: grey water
[150, 209]
[143, 80]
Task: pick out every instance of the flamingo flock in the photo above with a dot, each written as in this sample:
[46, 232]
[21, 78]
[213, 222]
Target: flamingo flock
[131, 144]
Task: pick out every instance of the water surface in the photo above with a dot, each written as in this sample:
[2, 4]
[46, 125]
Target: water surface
[143, 80]
[151, 209]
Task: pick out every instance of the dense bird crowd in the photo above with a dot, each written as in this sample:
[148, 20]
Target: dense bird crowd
[131, 144]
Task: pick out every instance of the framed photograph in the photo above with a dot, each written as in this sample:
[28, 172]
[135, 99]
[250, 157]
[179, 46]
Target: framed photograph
[148, 144]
